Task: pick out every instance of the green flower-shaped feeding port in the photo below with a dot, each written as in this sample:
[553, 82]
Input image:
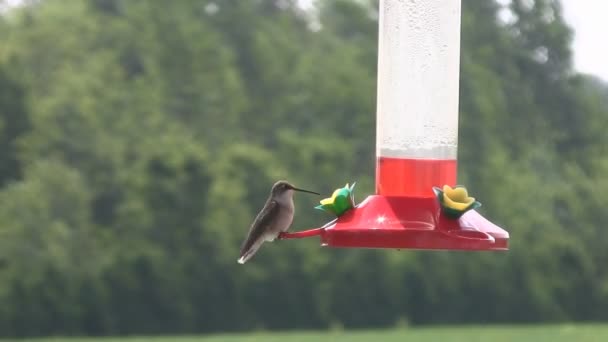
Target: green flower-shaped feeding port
[455, 201]
[341, 201]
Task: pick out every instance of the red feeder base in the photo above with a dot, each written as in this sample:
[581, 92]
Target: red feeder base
[407, 223]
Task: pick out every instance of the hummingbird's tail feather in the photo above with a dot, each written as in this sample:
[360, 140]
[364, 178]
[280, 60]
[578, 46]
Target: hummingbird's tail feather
[249, 253]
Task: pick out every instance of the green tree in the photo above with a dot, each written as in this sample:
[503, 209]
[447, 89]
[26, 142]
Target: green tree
[14, 122]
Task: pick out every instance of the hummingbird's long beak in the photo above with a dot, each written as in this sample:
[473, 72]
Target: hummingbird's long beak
[302, 190]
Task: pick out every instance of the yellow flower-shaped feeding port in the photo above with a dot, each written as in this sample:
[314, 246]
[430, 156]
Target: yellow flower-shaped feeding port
[340, 201]
[455, 201]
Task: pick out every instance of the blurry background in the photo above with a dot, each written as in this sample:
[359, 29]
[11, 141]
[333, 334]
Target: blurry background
[588, 19]
[138, 139]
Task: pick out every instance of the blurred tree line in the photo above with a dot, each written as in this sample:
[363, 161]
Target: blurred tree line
[139, 138]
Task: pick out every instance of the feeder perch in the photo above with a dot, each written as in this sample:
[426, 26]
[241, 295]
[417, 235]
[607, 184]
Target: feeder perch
[414, 205]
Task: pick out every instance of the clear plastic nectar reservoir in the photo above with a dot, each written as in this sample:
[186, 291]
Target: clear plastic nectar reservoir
[417, 100]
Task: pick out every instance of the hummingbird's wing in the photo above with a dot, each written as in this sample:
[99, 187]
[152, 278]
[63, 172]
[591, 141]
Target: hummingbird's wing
[260, 225]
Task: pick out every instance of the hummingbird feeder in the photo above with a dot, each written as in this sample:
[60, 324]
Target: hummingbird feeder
[417, 204]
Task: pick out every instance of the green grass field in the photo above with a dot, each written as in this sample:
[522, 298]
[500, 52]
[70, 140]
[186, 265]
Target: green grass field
[537, 333]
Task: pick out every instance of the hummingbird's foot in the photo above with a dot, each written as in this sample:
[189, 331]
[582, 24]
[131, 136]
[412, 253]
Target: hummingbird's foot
[281, 236]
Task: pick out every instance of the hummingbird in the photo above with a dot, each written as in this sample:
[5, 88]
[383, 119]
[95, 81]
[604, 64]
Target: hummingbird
[275, 218]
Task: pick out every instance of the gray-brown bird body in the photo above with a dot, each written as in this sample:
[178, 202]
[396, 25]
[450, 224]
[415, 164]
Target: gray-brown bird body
[276, 217]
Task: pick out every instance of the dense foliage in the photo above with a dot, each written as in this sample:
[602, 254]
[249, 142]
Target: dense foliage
[139, 138]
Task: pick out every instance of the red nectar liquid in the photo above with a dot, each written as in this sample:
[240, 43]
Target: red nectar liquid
[413, 177]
